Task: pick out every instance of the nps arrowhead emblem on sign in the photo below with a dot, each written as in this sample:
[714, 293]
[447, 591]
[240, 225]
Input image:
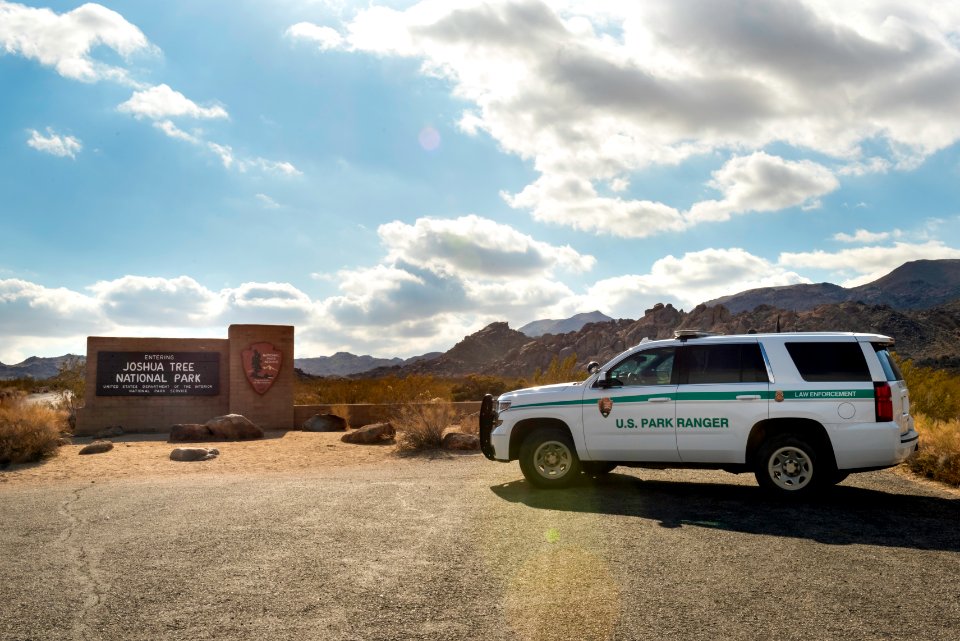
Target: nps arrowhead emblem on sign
[261, 364]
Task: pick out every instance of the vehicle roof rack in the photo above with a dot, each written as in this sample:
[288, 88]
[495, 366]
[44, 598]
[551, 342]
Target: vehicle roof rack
[687, 334]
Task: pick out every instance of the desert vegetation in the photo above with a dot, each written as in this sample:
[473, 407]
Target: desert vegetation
[29, 431]
[935, 405]
[420, 426]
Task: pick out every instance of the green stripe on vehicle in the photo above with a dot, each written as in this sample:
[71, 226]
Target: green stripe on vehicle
[790, 395]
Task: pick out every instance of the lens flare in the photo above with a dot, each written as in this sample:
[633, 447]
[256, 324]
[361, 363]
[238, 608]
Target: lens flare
[429, 138]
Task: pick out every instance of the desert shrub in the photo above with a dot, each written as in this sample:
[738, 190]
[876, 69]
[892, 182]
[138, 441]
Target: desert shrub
[939, 455]
[70, 383]
[933, 392]
[342, 410]
[29, 431]
[390, 389]
[558, 371]
[420, 426]
[473, 387]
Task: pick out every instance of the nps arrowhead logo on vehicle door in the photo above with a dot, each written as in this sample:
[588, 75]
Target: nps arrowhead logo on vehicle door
[606, 406]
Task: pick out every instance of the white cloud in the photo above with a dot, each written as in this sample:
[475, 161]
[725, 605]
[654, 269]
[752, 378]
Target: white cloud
[65, 41]
[55, 144]
[279, 303]
[156, 302]
[870, 263]
[162, 102]
[266, 201]
[864, 236]
[761, 182]
[593, 93]
[325, 37]
[694, 278]
[31, 309]
[170, 129]
[476, 246]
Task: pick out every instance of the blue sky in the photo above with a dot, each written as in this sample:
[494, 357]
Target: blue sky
[390, 177]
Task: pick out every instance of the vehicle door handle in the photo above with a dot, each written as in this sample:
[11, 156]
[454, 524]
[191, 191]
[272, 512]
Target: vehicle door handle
[748, 397]
[660, 399]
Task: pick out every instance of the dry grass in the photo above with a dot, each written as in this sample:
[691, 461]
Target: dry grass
[420, 426]
[29, 432]
[939, 454]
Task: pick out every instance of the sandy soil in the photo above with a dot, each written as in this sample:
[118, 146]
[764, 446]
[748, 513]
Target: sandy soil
[148, 455]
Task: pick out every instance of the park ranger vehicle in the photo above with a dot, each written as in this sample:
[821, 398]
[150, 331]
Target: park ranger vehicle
[799, 410]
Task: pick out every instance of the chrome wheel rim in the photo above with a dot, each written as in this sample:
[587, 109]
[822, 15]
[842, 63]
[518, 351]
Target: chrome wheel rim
[552, 459]
[790, 468]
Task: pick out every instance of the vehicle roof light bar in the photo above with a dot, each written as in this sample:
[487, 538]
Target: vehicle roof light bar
[687, 334]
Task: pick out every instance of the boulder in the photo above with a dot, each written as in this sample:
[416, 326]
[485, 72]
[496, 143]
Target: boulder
[109, 432]
[375, 433]
[190, 433]
[325, 423]
[193, 454]
[97, 447]
[460, 441]
[233, 427]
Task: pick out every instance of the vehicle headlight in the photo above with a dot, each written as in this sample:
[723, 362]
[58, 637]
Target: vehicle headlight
[502, 406]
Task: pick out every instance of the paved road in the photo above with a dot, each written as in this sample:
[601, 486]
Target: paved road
[461, 548]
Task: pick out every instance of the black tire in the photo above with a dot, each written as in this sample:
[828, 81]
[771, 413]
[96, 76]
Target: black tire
[597, 468]
[791, 467]
[548, 458]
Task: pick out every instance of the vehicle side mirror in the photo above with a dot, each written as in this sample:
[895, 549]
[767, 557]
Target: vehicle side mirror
[607, 380]
[592, 367]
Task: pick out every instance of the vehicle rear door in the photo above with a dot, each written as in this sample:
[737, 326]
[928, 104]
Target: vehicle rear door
[723, 392]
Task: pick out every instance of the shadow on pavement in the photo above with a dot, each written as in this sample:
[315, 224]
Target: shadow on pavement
[844, 516]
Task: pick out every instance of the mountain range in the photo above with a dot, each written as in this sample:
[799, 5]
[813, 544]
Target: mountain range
[35, 367]
[563, 326]
[919, 284]
[918, 304]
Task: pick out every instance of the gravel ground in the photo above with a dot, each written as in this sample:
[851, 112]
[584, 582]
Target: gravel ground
[456, 547]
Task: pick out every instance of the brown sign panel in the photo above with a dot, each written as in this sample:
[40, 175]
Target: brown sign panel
[158, 373]
[261, 364]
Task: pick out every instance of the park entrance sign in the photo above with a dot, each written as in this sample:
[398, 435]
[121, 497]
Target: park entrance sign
[158, 374]
[151, 384]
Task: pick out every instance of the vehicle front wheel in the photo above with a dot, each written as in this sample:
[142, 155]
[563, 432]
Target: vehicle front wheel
[548, 458]
[790, 467]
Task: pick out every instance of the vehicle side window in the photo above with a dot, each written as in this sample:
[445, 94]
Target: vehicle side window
[726, 363]
[649, 367]
[829, 362]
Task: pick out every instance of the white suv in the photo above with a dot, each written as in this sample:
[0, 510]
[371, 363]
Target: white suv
[800, 410]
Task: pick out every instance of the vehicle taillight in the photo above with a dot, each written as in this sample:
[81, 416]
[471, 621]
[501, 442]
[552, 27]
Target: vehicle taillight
[883, 400]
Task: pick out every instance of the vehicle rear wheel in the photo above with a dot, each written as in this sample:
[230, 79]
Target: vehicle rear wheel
[597, 468]
[548, 458]
[791, 467]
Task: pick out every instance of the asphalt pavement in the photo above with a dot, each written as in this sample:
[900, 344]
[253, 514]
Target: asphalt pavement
[456, 547]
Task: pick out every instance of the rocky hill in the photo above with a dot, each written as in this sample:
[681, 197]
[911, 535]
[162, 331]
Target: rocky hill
[35, 367]
[920, 284]
[469, 356]
[345, 363]
[931, 337]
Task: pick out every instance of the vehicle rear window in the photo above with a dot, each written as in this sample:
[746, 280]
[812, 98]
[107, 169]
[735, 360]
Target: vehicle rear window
[829, 362]
[727, 363]
[889, 366]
